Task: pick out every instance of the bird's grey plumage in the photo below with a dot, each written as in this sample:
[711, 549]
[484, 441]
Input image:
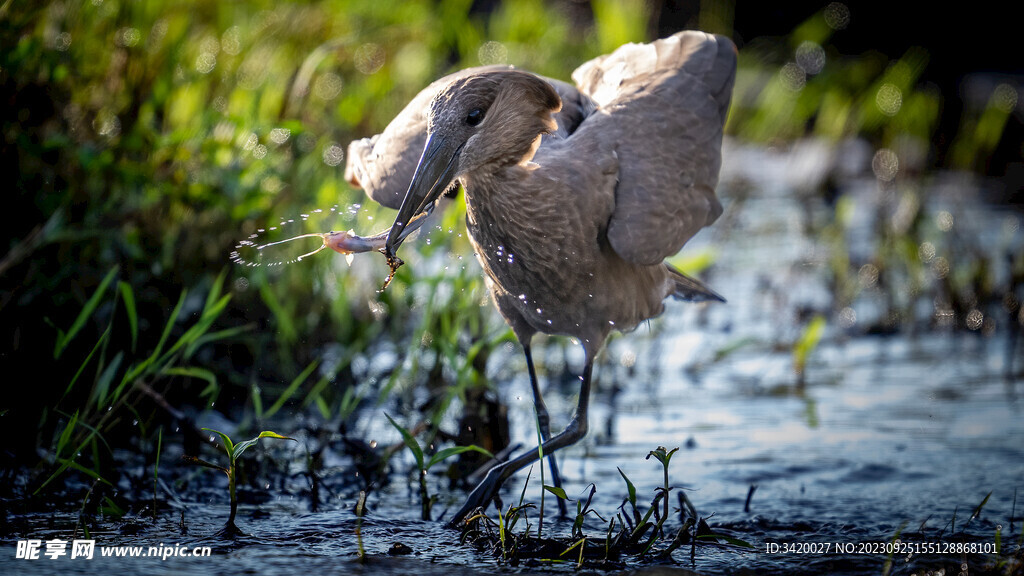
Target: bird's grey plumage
[574, 196]
[383, 164]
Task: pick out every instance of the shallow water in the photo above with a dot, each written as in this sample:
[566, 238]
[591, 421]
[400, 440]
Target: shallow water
[891, 434]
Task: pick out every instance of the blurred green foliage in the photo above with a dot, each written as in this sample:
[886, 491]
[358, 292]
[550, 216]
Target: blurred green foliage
[801, 86]
[148, 138]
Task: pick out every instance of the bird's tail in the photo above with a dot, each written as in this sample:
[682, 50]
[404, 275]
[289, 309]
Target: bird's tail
[691, 289]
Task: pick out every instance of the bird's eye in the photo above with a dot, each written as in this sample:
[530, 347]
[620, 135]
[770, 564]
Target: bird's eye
[475, 117]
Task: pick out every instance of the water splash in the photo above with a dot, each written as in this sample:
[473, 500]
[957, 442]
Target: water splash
[249, 252]
[266, 248]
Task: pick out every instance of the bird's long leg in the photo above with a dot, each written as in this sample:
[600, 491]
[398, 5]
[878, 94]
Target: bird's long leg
[544, 421]
[489, 486]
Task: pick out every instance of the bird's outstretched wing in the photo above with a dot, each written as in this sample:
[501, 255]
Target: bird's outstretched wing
[663, 106]
[383, 165]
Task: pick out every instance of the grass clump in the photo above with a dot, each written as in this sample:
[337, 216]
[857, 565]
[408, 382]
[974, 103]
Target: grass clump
[633, 533]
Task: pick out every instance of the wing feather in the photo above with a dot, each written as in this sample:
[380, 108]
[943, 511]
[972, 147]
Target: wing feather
[663, 106]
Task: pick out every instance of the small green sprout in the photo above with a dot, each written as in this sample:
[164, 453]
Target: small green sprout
[664, 456]
[423, 465]
[805, 345]
[234, 451]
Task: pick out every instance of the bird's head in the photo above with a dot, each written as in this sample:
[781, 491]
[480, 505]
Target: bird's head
[491, 119]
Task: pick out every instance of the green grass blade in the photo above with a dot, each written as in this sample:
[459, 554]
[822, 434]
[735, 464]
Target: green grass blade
[65, 435]
[441, 455]
[229, 446]
[170, 325]
[557, 491]
[290, 390]
[102, 388]
[128, 297]
[243, 446]
[219, 335]
[631, 489]
[214, 294]
[977, 510]
[204, 463]
[257, 400]
[78, 373]
[192, 372]
[66, 463]
[197, 330]
[69, 463]
[90, 306]
[411, 442]
[156, 464]
[807, 342]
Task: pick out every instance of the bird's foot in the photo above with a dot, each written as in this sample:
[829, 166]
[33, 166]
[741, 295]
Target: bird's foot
[479, 498]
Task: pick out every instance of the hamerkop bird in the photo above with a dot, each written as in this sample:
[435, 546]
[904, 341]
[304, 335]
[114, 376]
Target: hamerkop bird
[574, 195]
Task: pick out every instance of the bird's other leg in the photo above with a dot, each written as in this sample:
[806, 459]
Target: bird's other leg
[574, 432]
[544, 422]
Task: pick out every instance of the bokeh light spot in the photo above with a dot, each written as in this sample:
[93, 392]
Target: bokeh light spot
[369, 58]
[925, 252]
[944, 220]
[889, 99]
[1004, 97]
[974, 319]
[231, 42]
[868, 275]
[492, 52]
[327, 86]
[128, 37]
[847, 317]
[793, 77]
[280, 135]
[885, 165]
[333, 154]
[205, 62]
[810, 57]
[837, 16]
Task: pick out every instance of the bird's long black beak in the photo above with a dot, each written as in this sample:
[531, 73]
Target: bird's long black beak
[434, 174]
